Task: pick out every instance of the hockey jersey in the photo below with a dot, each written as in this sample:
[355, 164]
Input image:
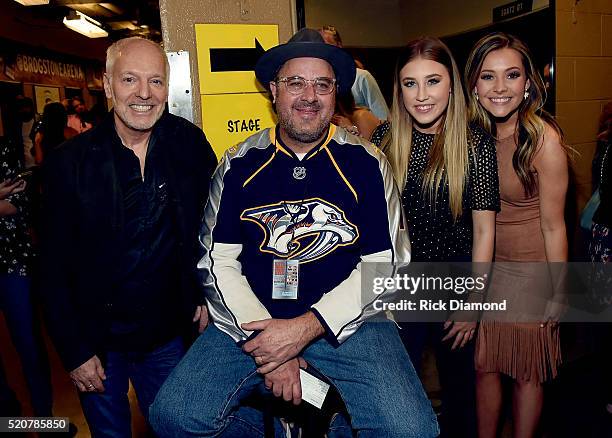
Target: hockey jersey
[327, 212]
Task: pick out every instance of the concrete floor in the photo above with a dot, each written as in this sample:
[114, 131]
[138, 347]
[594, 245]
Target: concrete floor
[64, 393]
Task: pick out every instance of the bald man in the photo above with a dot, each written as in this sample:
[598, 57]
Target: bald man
[122, 208]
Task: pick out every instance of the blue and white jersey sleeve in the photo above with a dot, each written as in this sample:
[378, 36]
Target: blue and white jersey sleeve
[231, 301]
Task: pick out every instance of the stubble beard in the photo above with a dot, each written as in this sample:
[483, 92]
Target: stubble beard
[144, 126]
[303, 135]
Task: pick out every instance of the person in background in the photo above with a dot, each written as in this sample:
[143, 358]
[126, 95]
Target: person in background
[25, 111]
[365, 89]
[600, 246]
[78, 105]
[448, 175]
[356, 120]
[52, 132]
[604, 127]
[76, 121]
[95, 115]
[16, 303]
[122, 204]
[506, 97]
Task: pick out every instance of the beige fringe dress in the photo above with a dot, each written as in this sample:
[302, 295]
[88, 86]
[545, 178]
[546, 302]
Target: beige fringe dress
[522, 350]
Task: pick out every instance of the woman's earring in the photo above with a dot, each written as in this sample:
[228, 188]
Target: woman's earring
[476, 95]
[526, 95]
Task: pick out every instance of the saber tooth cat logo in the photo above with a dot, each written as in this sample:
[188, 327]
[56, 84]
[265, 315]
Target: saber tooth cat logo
[303, 231]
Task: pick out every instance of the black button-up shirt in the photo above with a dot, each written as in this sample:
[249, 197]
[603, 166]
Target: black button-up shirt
[142, 309]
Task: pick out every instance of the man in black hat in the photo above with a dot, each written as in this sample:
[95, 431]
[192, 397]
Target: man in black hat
[293, 213]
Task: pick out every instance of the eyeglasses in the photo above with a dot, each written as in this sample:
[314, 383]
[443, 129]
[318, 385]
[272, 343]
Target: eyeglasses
[297, 84]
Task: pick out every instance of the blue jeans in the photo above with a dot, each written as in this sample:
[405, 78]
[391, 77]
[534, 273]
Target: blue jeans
[108, 412]
[23, 326]
[371, 371]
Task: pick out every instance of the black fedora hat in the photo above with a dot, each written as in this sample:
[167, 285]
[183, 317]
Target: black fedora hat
[307, 43]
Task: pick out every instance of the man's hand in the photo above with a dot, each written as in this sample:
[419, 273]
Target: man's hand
[463, 332]
[280, 339]
[285, 380]
[201, 315]
[89, 376]
[8, 188]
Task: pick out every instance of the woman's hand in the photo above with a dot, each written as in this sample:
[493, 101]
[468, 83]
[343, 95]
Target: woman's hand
[8, 187]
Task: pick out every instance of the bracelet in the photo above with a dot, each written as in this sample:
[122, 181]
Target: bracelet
[353, 129]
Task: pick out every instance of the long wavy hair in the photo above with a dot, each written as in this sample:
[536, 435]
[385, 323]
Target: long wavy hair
[532, 118]
[448, 157]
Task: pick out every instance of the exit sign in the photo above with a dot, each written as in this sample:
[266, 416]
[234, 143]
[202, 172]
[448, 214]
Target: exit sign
[511, 10]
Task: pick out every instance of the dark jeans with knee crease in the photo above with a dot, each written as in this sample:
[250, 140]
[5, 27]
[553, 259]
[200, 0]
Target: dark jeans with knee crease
[108, 413]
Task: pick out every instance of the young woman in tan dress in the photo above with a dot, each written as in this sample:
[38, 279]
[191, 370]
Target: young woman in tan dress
[506, 94]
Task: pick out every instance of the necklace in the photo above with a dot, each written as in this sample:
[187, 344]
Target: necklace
[506, 137]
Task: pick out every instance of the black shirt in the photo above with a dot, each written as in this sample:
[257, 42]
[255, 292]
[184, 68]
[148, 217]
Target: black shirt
[142, 310]
[84, 224]
[434, 234]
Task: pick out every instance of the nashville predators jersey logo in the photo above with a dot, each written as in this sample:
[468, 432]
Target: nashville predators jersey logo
[302, 230]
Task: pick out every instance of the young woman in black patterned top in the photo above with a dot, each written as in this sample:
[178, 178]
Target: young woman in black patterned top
[448, 174]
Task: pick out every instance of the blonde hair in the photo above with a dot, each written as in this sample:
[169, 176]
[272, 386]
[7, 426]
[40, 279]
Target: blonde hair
[448, 158]
[532, 118]
[114, 51]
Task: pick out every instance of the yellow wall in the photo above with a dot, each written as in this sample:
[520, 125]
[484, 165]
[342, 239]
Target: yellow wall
[178, 18]
[584, 79]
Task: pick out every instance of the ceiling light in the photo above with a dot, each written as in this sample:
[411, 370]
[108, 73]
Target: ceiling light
[33, 2]
[84, 25]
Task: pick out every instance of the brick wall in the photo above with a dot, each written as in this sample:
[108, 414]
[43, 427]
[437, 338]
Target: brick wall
[584, 80]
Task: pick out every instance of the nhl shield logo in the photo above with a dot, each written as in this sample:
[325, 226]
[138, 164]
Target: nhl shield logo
[299, 172]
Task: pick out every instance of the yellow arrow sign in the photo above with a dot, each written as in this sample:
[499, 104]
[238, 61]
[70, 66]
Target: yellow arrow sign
[227, 54]
[234, 105]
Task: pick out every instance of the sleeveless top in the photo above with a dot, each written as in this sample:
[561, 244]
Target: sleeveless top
[518, 236]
